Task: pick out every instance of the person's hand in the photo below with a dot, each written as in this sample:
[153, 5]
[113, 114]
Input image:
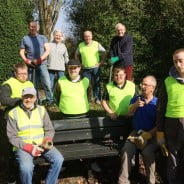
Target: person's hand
[114, 59]
[144, 137]
[113, 116]
[34, 150]
[140, 102]
[37, 61]
[47, 143]
[160, 137]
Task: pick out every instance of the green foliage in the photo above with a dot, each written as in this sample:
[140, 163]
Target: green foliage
[13, 17]
[156, 26]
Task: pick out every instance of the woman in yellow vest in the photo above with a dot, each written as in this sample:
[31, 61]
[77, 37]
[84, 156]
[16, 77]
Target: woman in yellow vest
[119, 92]
[71, 92]
[29, 130]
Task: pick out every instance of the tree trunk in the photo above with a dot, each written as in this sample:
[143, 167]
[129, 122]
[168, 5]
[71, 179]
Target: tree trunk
[48, 15]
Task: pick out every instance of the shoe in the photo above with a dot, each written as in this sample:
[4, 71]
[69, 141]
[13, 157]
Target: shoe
[98, 102]
[95, 167]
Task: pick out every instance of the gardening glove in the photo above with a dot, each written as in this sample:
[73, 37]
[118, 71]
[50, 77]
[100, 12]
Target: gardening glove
[143, 139]
[47, 143]
[161, 141]
[37, 61]
[114, 59]
[160, 137]
[34, 150]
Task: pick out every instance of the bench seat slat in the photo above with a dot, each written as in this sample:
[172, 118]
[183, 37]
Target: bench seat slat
[82, 123]
[88, 134]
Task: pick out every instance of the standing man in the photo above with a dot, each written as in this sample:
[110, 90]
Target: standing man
[170, 118]
[121, 49]
[89, 51]
[58, 57]
[30, 131]
[71, 92]
[34, 51]
[143, 109]
[118, 93]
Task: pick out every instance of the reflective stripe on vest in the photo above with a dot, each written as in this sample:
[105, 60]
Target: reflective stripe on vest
[73, 99]
[175, 103]
[89, 54]
[17, 86]
[119, 99]
[29, 129]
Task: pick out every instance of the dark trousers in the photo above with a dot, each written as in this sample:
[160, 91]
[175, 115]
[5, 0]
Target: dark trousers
[174, 132]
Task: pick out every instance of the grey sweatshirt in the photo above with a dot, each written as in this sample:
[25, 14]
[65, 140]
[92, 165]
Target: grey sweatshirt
[58, 56]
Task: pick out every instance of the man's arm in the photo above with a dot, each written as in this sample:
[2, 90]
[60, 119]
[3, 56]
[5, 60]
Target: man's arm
[47, 51]
[57, 93]
[48, 127]
[12, 133]
[5, 97]
[77, 54]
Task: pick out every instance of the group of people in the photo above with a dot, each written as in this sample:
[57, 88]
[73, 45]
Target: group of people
[154, 122]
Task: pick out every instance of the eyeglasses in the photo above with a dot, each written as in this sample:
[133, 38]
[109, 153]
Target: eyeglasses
[146, 85]
[21, 73]
[72, 67]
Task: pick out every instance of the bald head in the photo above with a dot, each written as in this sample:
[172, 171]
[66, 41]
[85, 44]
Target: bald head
[151, 80]
[88, 36]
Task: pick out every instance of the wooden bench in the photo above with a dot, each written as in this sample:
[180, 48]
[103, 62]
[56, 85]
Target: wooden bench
[90, 137]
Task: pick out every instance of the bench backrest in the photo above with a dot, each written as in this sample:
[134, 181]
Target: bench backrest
[73, 130]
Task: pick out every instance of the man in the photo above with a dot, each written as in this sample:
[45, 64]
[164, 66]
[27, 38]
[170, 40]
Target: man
[34, 51]
[71, 92]
[118, 93]
[11, 90]
[30, 131]
[89, 51]
[58, 57]
[170, 118]
[121, 49]
[143, 108]
[10, 96]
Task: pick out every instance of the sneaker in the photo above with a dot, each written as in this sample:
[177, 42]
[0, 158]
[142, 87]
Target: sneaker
[98, 102]
[95, 167]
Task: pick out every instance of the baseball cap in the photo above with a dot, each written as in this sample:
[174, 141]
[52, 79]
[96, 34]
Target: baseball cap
[74, 62]
[29, 91]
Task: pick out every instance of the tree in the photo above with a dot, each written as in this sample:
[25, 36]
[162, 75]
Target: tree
[48, 15]
[13, 17]
[156, 26]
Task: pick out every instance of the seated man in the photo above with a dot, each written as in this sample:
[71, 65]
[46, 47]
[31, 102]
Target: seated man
[71, 92]
[143, 108]
[30, 131]
[118, 93]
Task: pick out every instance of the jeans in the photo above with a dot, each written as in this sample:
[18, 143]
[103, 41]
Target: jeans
[26, 165]
[54, 76]
[93, 74]
[39, 75]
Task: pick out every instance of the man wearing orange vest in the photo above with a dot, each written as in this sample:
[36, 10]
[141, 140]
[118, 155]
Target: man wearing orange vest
[30, 131]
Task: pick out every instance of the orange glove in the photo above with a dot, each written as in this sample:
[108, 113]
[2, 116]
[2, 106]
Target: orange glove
[34, 150]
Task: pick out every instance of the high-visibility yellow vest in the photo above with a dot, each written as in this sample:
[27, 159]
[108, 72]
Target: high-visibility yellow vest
[175, 103]
[119, 99]
[73, 99]
[17, 86]
[89, 54]
[29, 129]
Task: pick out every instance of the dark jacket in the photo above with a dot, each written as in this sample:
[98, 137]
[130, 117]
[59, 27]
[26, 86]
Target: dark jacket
[123, 48]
